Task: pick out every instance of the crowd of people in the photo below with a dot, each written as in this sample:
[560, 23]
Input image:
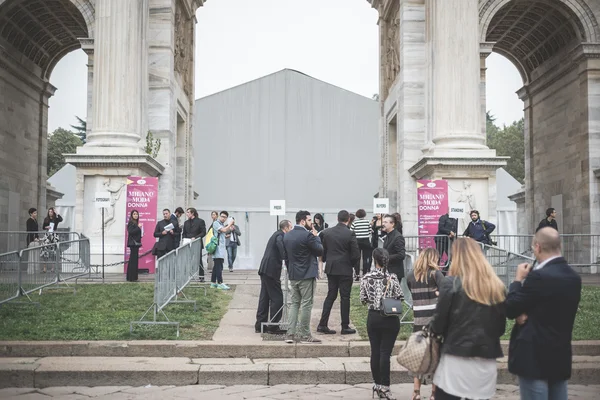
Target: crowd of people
[466, 308]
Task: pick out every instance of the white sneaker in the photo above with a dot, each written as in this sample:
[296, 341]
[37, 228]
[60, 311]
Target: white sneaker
[222, 286]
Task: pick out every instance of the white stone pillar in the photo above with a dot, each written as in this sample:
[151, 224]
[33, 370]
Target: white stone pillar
[455, 63]
[119, 63]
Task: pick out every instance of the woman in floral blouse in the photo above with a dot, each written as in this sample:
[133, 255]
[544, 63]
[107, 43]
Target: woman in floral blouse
[382, 330]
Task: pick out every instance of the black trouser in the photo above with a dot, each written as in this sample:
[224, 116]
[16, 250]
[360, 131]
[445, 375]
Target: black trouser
[441, 395]
[441, 245]
[382, 335]
[343, 284]
[366, 251]
[270, 301]
[132, 265]
[201, 269]
[217, 272]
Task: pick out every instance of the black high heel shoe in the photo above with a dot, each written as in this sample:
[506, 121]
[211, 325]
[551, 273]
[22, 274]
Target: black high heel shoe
[385, 393]
[375, 390]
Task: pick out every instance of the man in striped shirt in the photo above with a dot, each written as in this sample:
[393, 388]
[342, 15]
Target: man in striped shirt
[362, 230]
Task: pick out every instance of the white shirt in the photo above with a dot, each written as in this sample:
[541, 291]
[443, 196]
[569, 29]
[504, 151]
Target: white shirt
[543, 263]
[471, 378]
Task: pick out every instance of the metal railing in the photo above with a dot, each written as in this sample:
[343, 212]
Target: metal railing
[578, 249]
[17, 240]
[505, 262]
[42, 267]
[175, 271]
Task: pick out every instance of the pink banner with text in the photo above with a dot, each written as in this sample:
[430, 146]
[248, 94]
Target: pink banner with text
[142, 195]
[432, 200]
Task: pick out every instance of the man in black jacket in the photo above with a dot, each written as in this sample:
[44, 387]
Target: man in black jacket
[166, 241]
[271, 296]
[193, 228]
[340, 253]
[544, 301]
[447, 227]
[549, 221]
[394, 244]
[302, 247]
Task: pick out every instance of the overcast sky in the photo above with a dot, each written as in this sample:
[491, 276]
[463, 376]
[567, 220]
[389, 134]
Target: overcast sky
[237, 41]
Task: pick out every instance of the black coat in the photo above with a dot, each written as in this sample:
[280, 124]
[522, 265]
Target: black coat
[176, 231]
[32, 226]
[270, 265]
[194, 228]
[302, 249]
[470, 329]
[394, 244]
[447, 225]
[135, 235]
[541, 348]
[166, 242]
[545, 223]
[340, 250]
[57, 218]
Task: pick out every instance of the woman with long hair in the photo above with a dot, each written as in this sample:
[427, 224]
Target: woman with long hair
[48, 251]
[51, 221]
[319, 223]
[134, 242]
[382, 330]
[471, 317]
[424, 282]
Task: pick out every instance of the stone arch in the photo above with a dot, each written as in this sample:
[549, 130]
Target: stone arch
[579, 8]
[45, 30]
[531, 32]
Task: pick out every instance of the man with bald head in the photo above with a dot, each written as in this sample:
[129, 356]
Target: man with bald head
[544, 300]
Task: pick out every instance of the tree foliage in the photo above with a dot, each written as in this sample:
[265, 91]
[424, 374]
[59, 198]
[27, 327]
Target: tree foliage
[80, 129]
[508, 141]
[60, 142]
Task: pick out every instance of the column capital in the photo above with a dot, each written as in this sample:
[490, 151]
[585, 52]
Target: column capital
[485, 49]
[87, 45]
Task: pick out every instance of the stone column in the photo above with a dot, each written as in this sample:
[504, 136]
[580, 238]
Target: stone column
[119, 62]
[455, 63]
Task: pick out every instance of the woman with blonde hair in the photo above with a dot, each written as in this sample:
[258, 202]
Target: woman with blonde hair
[424, 282]
[471, 317]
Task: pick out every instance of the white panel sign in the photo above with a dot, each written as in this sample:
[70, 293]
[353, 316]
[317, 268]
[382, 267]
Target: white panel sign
[457, 210]
[102, 199]
[277, 207]
[381, 206]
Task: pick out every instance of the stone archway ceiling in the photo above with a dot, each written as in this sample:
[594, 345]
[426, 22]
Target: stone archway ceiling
[533, 31]
[42, 30]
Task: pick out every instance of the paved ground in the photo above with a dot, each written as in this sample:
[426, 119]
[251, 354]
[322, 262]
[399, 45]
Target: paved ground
[325, 392]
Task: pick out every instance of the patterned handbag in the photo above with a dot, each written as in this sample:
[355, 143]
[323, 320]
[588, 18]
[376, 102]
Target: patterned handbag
[421, 353]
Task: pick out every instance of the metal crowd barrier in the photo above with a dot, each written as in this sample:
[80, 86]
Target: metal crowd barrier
[174, 272]
[504, 262]
[17, 240]
[42, 267]
[578, 249]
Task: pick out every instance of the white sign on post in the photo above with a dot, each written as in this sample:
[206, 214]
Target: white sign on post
[381, 206]
[102, 199]
[277, 207]
[457, 210]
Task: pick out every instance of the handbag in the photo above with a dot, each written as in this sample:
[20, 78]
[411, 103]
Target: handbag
[390, 307]
[421, 352]
[212, 245]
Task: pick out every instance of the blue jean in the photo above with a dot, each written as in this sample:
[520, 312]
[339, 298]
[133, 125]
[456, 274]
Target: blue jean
[535, 389]
[231, 254]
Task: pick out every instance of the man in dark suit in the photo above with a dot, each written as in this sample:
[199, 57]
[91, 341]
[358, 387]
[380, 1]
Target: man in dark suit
[446, 233]
[166, 238]
[395, 245]
[193, 228]
[340, 253]
[302, 247]
[544, 300]
[271, 296]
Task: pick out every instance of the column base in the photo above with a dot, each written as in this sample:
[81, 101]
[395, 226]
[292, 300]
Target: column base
[106, 173]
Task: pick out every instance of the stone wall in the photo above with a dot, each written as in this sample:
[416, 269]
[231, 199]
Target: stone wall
[560, 154]
[23, 140]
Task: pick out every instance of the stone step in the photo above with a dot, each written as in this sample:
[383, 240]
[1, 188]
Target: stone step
[212, 349]
[179, 371]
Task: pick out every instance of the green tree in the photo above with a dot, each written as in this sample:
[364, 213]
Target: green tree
[80, 129]
[60, 142]
[508, 141]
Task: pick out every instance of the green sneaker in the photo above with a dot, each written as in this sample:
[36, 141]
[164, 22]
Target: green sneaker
[222, 286]
[214, 285]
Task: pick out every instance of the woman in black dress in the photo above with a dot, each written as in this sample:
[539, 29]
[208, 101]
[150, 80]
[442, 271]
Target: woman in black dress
[134, 242]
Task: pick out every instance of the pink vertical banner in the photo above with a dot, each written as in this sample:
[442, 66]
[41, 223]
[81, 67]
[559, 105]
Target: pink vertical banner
[142, 195]
[432, 203]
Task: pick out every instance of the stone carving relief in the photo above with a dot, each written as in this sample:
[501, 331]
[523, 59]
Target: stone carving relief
[392, 57]
[115, 190]
[184, 49]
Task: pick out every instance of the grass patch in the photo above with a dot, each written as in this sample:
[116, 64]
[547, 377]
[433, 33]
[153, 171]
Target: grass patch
[586, 321]
[103, 312]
